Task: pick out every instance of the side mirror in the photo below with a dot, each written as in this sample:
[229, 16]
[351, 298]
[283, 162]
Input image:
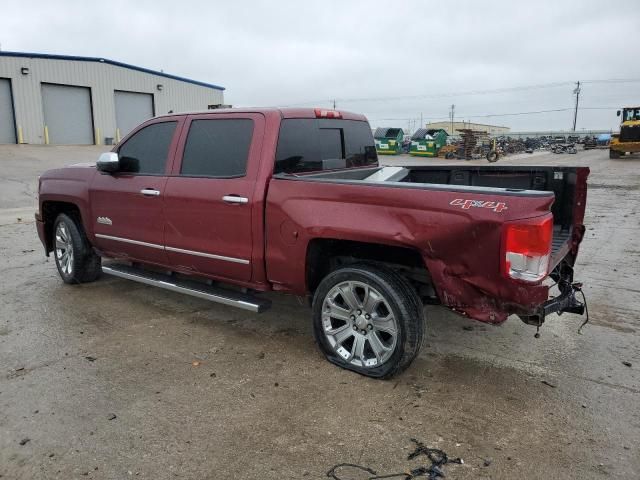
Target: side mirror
[618, 113]
[108, 162]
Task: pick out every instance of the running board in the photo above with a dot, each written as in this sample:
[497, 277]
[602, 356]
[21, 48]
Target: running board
[189, 287]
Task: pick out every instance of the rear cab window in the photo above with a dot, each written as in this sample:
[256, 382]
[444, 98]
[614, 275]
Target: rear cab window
[217, 148]
[317, 144]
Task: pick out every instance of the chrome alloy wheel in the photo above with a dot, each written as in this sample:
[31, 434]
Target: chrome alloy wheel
[64, 249]
[359, 324]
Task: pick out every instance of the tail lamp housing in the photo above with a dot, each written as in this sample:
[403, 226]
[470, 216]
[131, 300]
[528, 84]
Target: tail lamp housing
[526, 249]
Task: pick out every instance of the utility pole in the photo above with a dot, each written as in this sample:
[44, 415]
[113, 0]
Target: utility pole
[576, 92]
[334, 103]
[453, 109]
[421, 124]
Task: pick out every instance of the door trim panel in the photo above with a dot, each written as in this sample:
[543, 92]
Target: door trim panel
[128, 240]
[208, 255]
[173, 249]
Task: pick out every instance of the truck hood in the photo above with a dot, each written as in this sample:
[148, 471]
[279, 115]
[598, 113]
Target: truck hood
[79, 172]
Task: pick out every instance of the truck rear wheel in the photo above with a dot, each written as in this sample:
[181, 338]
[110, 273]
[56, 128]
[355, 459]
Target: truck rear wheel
[368, 319]
[75, 258]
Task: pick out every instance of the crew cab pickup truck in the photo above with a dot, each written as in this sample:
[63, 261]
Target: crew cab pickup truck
[226, 205]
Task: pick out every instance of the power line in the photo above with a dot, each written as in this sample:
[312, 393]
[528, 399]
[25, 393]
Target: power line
[465, 115]
[465, 93]
[442, 117]
[439, 95]
[613, 80]
[536, 112]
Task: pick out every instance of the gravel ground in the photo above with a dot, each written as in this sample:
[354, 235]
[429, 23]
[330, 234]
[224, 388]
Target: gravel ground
[117, 380]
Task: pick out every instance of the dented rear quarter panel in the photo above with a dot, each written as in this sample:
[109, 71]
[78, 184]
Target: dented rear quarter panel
[460, 247]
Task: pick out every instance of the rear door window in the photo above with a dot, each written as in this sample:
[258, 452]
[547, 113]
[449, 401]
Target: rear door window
[146, 152]
[217, 148]
[308, 144]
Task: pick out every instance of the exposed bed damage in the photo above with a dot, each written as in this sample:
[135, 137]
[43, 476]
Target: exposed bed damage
[457, 229]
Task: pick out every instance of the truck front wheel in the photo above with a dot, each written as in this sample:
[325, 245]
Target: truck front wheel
[75, 258]
[368, 319]
[614, 153]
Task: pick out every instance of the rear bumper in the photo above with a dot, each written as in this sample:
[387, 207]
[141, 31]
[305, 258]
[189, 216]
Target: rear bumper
[566, 302]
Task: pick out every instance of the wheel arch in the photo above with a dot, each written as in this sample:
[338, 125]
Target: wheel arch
[325, 255]
[50, 210]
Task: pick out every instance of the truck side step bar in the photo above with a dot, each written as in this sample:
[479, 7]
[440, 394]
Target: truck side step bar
[189, 287]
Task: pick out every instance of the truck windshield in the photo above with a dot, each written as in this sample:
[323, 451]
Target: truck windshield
[630, 114]
[310, 144]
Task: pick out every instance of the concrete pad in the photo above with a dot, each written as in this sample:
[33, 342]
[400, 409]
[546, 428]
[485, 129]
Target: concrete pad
[117, 380]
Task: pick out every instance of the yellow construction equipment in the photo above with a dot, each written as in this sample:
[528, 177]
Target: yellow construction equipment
[628, 140]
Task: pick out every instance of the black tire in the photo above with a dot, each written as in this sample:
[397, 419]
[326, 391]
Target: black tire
[86, 264]
[404, 303]
[449, 155]
[614, 154]
[492, 156]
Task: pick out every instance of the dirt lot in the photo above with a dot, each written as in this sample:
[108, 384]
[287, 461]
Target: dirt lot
[99, 380]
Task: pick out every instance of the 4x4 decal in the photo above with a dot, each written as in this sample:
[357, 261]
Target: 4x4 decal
[467, 204]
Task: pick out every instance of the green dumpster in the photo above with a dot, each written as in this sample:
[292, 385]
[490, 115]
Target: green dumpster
[427, 142]
[388, 141]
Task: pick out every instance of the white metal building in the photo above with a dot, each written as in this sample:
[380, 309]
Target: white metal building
[61, 99]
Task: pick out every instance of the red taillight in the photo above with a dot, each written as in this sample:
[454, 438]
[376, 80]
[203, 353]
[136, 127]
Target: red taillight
[527, 249]
[322, 113]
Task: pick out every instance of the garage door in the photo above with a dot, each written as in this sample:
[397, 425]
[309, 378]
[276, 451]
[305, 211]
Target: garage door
[132, 109]
[7, 122]
[67, 114]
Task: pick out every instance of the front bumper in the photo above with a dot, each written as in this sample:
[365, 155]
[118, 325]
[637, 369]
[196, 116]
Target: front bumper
[40, 226]
[631, 147]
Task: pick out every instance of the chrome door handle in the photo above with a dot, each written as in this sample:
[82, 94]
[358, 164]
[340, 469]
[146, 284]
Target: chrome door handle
[235, 199]
[150, 192]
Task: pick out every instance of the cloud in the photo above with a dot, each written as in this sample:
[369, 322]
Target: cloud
[292, 52]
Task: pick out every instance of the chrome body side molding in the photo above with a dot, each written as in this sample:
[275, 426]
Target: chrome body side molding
[174, 249]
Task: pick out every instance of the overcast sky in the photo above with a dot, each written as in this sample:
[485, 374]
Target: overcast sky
[365, 54]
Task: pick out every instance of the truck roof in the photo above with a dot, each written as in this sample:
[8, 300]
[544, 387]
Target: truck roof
[284, 112]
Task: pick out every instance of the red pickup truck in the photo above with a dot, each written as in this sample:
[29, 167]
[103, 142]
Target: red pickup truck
[227, 204]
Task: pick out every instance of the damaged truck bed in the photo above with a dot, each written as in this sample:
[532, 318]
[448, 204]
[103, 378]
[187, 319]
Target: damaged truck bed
[456, 217]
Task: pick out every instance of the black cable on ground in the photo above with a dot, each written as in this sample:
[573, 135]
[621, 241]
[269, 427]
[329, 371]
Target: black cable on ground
[586, 311]
[437, 457]
[332, 473]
